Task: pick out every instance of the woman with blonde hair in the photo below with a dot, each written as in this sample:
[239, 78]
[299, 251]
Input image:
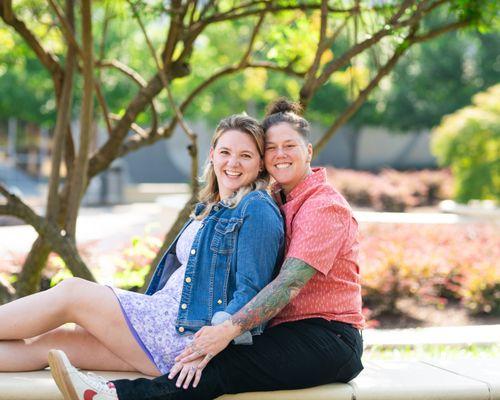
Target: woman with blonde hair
[214, 267]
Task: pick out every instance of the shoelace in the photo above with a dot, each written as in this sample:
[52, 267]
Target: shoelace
[98, 383]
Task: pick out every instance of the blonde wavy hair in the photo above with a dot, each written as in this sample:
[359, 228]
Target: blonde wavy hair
[209, 193]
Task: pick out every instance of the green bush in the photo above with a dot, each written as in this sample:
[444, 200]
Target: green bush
[469, 142]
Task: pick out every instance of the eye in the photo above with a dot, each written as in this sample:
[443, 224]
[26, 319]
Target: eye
[246, 156]
[225, 152]
[270, 147]
[289, 146]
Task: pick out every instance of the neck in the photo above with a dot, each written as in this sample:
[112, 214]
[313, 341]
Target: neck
[288, 188]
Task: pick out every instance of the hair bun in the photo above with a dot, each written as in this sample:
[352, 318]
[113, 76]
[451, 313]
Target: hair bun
[283, 105]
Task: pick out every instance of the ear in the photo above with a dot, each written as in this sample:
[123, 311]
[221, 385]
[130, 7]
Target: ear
[309, 152]
[211, 155]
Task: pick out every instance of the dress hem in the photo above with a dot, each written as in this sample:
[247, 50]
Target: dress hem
[134, 332]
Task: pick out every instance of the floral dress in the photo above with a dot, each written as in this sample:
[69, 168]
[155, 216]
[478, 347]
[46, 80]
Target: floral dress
[151, 319]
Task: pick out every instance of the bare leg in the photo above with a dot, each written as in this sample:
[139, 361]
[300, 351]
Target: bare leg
[83, 350]
[94, 307]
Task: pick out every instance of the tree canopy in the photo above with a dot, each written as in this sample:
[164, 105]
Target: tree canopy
[138, 66]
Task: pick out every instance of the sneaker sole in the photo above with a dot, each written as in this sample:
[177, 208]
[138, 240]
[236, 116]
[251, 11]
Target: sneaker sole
[60, 375]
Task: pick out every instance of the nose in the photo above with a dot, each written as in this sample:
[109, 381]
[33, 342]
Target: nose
[233, 161]
[280, 151]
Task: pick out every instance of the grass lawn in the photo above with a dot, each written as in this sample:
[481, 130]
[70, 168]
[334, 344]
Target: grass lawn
[422, 352]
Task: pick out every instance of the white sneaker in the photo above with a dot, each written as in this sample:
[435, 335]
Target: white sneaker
[75, 385]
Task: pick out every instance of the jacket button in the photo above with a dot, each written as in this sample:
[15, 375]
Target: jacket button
[181, 329]
[184, 306]
[216, 208]
[219, 301]
[193, 252]
[188, 280]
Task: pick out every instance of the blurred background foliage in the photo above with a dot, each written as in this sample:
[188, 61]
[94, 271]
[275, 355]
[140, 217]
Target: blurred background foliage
[469, 142]
[463, 62]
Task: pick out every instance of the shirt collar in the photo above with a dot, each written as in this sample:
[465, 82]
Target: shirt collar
[316, 178]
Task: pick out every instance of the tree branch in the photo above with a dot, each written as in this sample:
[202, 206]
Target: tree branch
[137, 78]
[440, 31]
[124, 69]
[61, 244]
[193, 147]
[66, 28]
[48, 60]
[62, 124]
[136, 142]
[324, 43]
[363, 94]
[174, 31]
[78, 181]
[392, 24]
[248, 10]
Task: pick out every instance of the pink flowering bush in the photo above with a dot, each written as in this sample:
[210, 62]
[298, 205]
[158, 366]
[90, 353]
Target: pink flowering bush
[433, 264]
[392, 190]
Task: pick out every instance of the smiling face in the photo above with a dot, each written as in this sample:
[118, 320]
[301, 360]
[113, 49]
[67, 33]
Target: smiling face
[236, 161]
[287, 156]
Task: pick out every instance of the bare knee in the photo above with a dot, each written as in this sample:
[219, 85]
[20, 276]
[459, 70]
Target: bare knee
[70, 295]
[71, 283]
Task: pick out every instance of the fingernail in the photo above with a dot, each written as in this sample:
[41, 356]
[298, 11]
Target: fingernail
[170, 377]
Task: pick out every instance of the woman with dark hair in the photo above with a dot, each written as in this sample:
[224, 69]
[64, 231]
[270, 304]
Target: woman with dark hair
[313, 306]
[213, 268]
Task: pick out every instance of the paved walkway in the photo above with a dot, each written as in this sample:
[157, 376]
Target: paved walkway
[447, 335]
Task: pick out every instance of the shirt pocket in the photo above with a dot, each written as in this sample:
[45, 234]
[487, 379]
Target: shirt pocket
[224, 238]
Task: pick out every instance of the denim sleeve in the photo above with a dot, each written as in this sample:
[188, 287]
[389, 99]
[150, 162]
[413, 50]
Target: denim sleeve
[260, 240]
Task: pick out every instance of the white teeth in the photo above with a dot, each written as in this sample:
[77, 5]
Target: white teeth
[232, 173]
[283, 165]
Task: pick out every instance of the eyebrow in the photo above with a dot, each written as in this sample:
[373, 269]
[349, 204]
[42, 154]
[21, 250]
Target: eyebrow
[243, 151]
[286, 141]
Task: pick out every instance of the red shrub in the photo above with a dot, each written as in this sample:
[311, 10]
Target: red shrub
[431, 263]
[392, 190]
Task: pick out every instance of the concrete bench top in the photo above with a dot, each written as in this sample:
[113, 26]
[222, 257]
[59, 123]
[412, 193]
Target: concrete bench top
[473, 379]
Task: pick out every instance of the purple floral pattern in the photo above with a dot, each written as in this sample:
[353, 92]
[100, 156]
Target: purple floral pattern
[152, 318]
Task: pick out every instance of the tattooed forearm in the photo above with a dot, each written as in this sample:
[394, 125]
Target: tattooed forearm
[275, 296]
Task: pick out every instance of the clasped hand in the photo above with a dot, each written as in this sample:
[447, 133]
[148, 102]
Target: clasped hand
[208, 342]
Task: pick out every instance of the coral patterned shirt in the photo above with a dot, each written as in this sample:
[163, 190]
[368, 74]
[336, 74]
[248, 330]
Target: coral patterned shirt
[321, 231]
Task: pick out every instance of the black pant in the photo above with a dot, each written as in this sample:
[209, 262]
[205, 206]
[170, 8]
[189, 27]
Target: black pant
[292, 355]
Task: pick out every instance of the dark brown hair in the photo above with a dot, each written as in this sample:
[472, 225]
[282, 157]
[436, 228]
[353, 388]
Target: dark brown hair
[283, 110]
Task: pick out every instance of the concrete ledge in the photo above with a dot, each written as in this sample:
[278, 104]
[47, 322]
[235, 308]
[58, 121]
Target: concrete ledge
[381, 380]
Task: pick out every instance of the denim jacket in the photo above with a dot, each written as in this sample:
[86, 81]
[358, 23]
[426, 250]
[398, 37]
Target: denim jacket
[235, 253]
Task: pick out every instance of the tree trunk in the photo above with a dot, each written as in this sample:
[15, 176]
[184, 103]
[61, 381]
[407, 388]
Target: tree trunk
[78, 181]
[6, 291]
[29, 279]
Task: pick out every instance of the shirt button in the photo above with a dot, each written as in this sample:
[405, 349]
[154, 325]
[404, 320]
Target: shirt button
[188, 280]
[219, 301]
[181, 329]
[216, 208]
[193, 252]
[184, 306]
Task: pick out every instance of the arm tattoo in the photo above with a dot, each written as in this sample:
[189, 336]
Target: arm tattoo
[275, 296]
